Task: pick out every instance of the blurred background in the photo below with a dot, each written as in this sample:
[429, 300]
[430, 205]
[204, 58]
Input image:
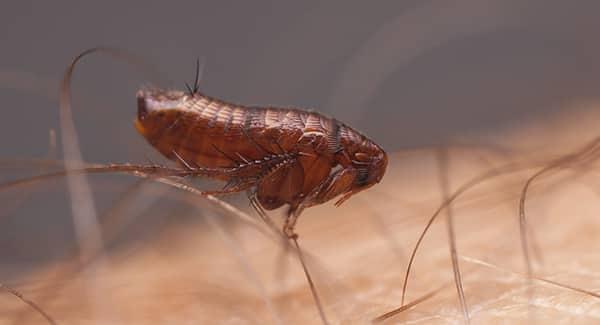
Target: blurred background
[410, 74]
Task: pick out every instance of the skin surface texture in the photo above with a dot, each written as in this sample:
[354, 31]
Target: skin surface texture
[210, 265]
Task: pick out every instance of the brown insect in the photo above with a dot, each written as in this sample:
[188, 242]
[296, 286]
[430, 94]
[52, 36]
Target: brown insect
[279, 155]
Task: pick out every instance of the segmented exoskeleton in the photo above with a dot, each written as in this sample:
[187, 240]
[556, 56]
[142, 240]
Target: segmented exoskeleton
[279, 155]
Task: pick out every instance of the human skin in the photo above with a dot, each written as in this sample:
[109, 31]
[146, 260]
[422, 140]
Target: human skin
[210, 267]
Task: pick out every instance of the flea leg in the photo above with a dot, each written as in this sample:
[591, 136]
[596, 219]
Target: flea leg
[290, 221]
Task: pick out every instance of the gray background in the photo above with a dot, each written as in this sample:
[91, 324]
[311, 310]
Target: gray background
[405, 72]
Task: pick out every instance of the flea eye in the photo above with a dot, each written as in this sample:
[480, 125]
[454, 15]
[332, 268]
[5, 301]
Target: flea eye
[362, 177]
[361, 156]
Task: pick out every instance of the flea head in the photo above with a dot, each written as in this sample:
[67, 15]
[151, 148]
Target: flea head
[368, 167]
